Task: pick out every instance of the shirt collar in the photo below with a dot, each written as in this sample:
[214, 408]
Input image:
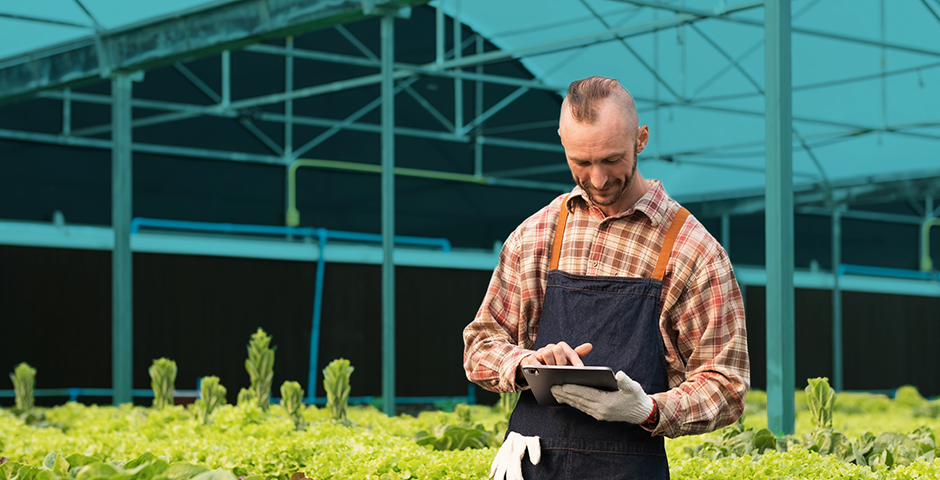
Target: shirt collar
[653, 203]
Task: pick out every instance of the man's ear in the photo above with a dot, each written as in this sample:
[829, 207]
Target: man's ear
[642, 138]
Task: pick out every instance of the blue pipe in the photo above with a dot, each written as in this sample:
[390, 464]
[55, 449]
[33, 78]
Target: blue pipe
[322, 235]
[138, 222]
[315, 330]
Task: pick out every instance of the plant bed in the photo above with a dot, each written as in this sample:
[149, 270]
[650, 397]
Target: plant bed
[248, 441]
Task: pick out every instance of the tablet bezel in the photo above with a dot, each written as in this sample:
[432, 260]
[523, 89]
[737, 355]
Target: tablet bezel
[541, 378]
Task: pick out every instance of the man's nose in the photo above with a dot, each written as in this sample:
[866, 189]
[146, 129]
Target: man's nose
[598, 177]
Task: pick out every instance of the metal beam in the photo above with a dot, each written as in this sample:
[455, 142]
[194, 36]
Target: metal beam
[411, 69]
[576, 42]
[90, 16]
[505, 102]
[67, 112]
[805, 31]
[535, 84]
[439, 33]
[388, 214]
[726, 233]
[289, 106]
[855, 191]
[837, 371]
[458, 81]
[358, 44]
[779, 218]
[47, 235]
[348, 120]
[50, 21]
[478, 112]
[735, 63]
[197, 32]
[864, 215]
[122, 310]
[828, 83]
[653, 71]
[538, 85]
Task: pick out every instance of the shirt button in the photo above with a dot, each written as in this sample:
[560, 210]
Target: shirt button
[594, 263]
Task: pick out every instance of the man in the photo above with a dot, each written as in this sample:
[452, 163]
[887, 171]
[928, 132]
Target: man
[618, 270]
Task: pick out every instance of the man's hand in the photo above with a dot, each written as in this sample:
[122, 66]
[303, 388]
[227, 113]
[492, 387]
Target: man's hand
[508, 461]
[628, 404]
[558, 354]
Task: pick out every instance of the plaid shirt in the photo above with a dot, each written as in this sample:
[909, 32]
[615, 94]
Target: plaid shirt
[702, 316]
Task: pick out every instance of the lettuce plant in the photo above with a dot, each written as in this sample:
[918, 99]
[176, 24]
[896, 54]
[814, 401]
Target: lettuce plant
[162, 380]
[336, 383]
[458, 433]
[24, 379]
[260, 367]
[821, 398]
[246, 396]
[292, 401]
[213, 395]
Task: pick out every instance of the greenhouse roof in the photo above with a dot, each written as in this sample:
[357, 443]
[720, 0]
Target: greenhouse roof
[866, 82]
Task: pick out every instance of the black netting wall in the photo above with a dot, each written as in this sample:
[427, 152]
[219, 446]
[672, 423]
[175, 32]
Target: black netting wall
[55, 307]
[888, 340]
[55, 310]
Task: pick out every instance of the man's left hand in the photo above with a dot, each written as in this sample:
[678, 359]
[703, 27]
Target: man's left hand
[628, 404]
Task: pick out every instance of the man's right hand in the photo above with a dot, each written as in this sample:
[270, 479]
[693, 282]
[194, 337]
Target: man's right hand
[558, 354]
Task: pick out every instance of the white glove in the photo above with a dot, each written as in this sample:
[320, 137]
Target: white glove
[628, 404]
[508, 461]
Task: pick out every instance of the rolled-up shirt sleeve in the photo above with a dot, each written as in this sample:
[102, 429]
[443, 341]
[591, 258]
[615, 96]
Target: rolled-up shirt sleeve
[706, 346]
[497, 338]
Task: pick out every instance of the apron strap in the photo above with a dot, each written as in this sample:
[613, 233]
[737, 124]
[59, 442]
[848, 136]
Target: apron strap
[664, 253]
[670, 240]
[559, 234]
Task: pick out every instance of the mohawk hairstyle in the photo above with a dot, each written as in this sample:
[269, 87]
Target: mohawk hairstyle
[585, 95]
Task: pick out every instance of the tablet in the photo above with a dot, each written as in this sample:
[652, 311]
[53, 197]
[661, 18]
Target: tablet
[542, 377]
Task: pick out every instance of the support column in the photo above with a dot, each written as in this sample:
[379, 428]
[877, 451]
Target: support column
[477, 111]
[928, 214]
[439, 33]
[837, 371]
[388, 214]
[458, 81]
[67, 112]
[779, 218]
[289, 103]
[726, 233]
[226, 78]
[122, 324]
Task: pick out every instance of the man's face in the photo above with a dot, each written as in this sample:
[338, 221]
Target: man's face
[601, 155]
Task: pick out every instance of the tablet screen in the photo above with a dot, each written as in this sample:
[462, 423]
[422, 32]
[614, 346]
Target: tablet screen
[541, 378]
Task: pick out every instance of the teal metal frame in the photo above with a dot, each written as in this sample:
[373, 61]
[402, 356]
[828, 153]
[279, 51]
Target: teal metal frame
[122, 276]
[387, 34]
[837, 370]
[779, 218]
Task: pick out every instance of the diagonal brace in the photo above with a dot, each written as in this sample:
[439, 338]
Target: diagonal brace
[636, 55]
[508, 99]
[348, 121]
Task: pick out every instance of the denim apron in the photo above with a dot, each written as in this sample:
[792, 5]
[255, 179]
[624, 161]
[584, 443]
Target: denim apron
[620, 317]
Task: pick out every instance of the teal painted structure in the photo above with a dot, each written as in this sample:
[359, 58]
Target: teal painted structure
[781, 414]
[701, 83]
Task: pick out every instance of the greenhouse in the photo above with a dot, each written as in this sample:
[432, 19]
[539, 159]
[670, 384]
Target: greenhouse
[252, 238]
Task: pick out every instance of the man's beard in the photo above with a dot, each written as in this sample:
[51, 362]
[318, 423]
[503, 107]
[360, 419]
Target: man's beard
[625, 183]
